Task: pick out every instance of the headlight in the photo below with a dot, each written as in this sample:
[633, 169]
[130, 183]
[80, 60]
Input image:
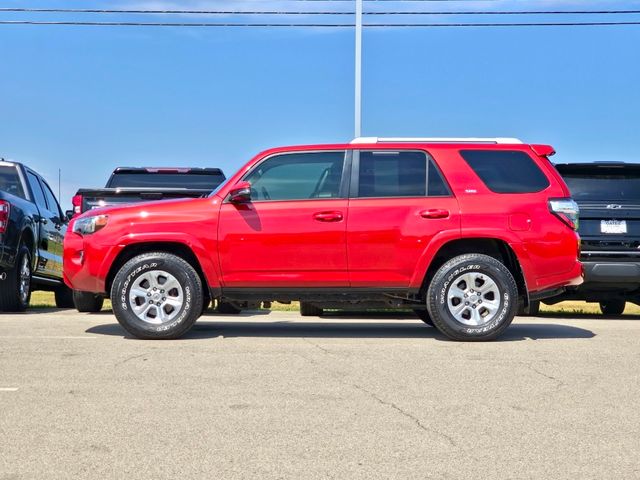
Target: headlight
[89, 225]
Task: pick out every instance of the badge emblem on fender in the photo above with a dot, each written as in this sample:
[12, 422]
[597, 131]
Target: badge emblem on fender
[614, 206]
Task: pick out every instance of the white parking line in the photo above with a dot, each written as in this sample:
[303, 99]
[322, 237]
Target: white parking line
[8, 389]
[49, 337]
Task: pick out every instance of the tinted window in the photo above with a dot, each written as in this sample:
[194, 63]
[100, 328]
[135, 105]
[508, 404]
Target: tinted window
[38, 194]
[392, 174]
[298, 176]
[618, 186]
[166, 180]
[437, 185]
[505, 171]
[10, 181]
[51, 199]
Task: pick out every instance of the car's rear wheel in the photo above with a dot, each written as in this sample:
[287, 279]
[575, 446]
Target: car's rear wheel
[15, 293]
[310, 310]
[87, 302]
[157, 296]
[423, 314]
[64, 297]
[612, 307]
[472, 297]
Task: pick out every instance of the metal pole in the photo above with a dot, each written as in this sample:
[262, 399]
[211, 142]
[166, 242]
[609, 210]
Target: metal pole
[59, 175]
[358, 74]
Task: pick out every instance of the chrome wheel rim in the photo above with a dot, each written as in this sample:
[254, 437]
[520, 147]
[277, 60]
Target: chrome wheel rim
[156, 297]
[24, 284]
[473, 299]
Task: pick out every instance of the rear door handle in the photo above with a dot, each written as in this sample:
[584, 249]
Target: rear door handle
[328, 216]
[435, 213]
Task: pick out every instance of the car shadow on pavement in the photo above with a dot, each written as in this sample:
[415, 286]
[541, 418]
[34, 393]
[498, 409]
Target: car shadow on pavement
[341, 327]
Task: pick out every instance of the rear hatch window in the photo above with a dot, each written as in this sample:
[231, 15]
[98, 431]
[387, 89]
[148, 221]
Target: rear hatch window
[506, 171]
[620, 187]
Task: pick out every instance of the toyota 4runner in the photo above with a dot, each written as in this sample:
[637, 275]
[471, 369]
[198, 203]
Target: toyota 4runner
[464, 231]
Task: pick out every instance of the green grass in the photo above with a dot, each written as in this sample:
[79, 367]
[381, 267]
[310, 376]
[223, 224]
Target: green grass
[46, 300]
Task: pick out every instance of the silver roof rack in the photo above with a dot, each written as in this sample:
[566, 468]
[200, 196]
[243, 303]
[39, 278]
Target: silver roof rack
[497, 140]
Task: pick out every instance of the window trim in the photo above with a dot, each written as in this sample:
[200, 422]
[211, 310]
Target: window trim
[344, 181]
[354, 189]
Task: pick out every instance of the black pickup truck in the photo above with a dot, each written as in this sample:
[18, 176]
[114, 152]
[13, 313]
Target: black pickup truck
[144, 184]
[32, 229]
[608, 194]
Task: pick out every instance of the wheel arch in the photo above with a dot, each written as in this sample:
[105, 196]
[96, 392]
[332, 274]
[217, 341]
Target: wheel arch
[179, 249]
[493, 247]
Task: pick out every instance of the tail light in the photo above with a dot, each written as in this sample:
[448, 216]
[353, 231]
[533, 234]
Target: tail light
[76, 201]
[567, 210]
[5, 209]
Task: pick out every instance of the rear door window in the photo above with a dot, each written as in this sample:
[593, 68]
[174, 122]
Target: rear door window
[506, 171]
[398, 174]
[36, 188]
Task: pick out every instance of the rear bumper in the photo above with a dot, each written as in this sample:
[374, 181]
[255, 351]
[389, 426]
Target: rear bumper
[572, 278]
[612, 272]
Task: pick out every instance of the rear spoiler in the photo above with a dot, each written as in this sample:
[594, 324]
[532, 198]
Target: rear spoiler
[543, 150]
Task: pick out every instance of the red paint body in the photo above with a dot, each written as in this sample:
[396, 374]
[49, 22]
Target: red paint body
[351, 242]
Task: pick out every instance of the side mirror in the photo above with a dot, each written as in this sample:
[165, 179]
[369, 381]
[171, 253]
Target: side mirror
[68, 214]
[240, 193]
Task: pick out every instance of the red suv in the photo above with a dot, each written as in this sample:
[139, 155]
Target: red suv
[464, 231]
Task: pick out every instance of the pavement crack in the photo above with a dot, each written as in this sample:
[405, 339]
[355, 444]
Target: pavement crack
[559, 383]
[319, 347]
[407, 414]
[131, 357]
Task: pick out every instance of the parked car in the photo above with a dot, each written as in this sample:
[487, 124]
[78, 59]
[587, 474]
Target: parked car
[135, 185]
[144, 184]
[609, 197]
[32, 229]
[464, 231]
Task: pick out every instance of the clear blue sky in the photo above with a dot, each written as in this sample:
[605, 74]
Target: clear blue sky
[88, 99]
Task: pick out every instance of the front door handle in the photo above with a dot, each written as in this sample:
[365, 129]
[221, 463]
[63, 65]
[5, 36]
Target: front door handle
[435, 213]
[328, 216]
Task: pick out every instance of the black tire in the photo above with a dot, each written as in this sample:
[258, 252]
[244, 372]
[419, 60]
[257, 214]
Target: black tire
[64, 297]
[484, 268]
[148, 272]
[423, 315]
[15, 293]
[310, 310]
[227, 308]
[87, 302]
[612, 307]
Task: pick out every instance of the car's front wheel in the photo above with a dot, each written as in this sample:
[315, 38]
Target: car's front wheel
[310, 310]
[472, 297]
[612, 307]
[423, 315]
[157, 296]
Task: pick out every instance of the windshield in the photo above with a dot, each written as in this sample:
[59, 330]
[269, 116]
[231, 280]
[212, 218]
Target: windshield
[192, 181]
[620, 187]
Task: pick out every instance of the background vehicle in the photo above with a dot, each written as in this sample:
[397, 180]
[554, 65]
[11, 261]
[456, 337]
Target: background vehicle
[463, 231]
[32, 229]
[134, 185]
[609, 197]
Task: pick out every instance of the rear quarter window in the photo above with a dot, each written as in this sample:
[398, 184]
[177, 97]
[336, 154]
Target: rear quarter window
[506, 171]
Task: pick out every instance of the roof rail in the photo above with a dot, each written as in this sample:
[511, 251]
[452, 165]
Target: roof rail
[497, 140]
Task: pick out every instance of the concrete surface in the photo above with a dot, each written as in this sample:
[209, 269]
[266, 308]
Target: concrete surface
[271, 396]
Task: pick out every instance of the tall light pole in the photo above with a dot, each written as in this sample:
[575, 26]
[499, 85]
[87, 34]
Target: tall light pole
[358, 71]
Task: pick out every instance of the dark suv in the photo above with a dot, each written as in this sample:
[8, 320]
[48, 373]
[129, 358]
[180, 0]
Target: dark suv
[608, 194]
[464, 231]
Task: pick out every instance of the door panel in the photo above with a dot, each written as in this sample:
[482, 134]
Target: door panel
[400, 201]
[293, 231]
[387, 237]
[281, 244]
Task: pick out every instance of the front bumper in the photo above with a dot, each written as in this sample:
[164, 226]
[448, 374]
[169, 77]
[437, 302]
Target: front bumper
[87, 263]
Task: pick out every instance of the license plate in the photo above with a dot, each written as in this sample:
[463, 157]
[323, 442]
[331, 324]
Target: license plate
[613, 226]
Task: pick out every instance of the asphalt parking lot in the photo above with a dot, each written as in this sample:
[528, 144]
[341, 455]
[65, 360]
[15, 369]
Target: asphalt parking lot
[278, 396]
